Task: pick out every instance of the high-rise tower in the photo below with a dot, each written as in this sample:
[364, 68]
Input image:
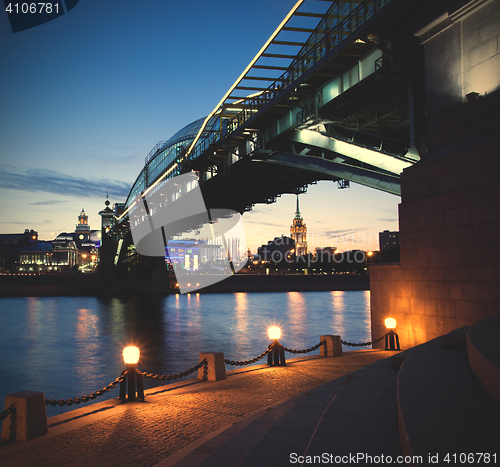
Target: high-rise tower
[298, 232]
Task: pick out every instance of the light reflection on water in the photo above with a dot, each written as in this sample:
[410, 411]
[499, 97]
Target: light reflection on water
[71, 346]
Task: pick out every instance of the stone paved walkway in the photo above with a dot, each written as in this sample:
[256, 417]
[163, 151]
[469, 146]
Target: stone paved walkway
[143, 434]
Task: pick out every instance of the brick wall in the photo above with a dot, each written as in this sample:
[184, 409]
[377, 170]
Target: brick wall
[449, 274]
[449, 217]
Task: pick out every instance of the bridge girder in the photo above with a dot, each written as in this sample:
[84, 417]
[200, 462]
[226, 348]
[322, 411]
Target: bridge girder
[380, 160]
[325, 169]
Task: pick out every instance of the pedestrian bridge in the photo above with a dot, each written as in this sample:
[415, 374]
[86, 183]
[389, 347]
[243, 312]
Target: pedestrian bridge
[334, 94]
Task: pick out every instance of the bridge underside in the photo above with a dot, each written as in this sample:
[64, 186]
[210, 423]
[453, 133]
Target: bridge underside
[368, 134]
[305, 156]
[345, 110]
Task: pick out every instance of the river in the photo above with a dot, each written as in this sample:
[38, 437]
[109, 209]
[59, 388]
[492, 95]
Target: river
[70, 346]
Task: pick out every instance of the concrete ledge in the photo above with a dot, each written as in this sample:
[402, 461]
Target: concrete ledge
[483, 349]
[441, 406]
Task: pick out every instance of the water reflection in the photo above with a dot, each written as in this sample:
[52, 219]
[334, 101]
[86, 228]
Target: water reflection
[297, 314]
[241, 321]
[86, 342]
[338, 313]
[69, 346]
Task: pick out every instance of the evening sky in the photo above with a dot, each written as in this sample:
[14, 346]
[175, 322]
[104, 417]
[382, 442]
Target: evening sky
[85, 97]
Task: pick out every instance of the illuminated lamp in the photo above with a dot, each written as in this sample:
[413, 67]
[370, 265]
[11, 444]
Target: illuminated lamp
[391, 338]
[274, 333]
[132, 375]
[131, 355]
[276, 357]
[390, 323]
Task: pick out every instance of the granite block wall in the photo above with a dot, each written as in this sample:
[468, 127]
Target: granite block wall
[449, 216]
[449, 274]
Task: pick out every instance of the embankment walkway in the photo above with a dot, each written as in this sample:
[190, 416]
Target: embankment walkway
[176, 415]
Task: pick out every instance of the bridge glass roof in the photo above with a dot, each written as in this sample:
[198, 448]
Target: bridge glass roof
[162, 155]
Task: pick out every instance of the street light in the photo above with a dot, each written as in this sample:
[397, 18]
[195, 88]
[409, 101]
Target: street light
[131, 374]
[276, 357]
[391, 338]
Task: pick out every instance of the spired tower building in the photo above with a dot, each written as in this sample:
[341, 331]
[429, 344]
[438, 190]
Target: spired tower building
[83, 228]
[298, 232]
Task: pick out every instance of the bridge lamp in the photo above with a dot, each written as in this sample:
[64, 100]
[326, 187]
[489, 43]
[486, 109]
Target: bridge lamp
[276, 356]
[391, 337]
[131, 375]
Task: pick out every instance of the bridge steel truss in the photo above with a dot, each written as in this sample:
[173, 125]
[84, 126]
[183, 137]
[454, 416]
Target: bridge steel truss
[336, 93]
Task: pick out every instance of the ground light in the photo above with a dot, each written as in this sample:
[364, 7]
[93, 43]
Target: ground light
[391, 338]
[276, 357]
[132, 375]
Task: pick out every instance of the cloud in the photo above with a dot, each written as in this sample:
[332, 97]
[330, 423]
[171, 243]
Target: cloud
[340, 233]
[264, 223]
[388, 219]
[47, 203]
[51, 181]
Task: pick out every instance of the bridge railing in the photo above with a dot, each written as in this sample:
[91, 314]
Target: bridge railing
[305, 60]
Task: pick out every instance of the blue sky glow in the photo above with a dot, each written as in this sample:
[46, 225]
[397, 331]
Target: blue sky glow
[85, 97]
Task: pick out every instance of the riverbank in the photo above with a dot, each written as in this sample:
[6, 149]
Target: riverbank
[175, 417]
[90, 284]
[44, 285]
[289, 283]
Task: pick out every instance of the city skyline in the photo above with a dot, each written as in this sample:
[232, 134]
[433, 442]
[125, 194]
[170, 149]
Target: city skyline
[87, 96]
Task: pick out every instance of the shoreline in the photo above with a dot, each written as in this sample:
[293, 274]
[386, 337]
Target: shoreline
[177, 418]
[90, 284]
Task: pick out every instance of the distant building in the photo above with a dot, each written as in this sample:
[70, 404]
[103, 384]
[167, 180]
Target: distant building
[298, 232]
[194, 255]
[388, 240]
[277, 250]
[26, 254]
[325, 254]
[12, 244]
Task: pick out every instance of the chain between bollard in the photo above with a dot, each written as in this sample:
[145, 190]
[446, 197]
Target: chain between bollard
[177, 376]
[100, 392]
[310, 349]
[248, 362]
[79, 400]
[9, 410]
[364, 343]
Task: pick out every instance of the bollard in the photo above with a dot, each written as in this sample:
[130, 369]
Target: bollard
[215, 369]
[333, 347]
[30, 419]
[277, 355]
[392, 340]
